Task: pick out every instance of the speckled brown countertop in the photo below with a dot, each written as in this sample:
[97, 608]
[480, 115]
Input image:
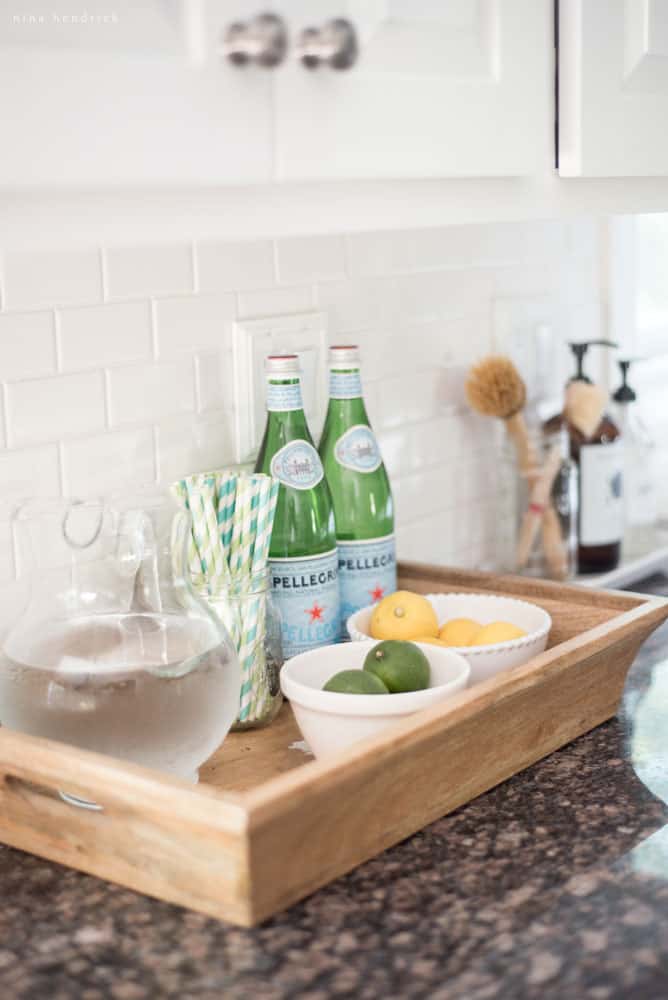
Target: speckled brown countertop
[552, 885]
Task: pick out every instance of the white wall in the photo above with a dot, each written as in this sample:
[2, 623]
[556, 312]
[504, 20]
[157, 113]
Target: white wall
[116, 370]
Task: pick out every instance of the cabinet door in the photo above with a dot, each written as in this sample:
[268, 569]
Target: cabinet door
[441, 89]
[129, 94]
[613, 88]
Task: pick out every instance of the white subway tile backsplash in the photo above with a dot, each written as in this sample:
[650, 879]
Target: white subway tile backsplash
[233, 266]
[533, 279]
[275, 301]
[50, 408]
[30, 472]
[433, 295]
[148, 392]
[402, 348]
[424, 492]
[215, 381]
[185, 325]
[104, 335]
[27, 345]
[464, 339]
[51, 278]
[134, 272]
[310, 258]
[411, 397]
[197, 445]
[432, 442]
[431, 539]
[104, 462]
[434, 249]
[350, 305]
[142, 338]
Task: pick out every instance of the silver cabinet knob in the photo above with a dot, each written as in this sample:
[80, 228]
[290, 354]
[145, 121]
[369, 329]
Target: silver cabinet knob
[334, 44]
[262, 41]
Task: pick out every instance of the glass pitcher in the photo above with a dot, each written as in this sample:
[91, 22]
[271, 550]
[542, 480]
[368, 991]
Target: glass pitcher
[115, 652]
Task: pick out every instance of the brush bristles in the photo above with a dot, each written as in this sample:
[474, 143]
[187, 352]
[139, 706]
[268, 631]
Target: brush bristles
[495, 388]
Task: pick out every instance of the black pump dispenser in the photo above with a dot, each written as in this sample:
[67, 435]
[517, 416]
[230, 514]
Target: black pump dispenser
[625, 394]
[579, 349]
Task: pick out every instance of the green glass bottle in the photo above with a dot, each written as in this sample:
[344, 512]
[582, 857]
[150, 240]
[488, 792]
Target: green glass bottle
[360, 488]
[302, 556]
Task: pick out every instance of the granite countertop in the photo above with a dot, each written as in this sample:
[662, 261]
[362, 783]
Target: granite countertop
[552, 885]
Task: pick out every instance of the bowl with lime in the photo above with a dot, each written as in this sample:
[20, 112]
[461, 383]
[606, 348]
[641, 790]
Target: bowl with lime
[341, 694]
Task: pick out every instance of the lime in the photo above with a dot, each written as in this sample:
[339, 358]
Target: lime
[355, 682]
[400, 665]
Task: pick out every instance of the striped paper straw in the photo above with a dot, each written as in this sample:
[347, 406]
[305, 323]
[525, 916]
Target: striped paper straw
[227, 552]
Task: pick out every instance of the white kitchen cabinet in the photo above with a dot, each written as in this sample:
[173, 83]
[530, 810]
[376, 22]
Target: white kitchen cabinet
[141, 95]
[456, 89]
[103, 95]
[613, 88]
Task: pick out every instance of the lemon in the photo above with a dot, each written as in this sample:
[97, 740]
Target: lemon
[400, 665]
[431, 640]
[496, 632]
[355, 682]
[403, 615]
[459, 631]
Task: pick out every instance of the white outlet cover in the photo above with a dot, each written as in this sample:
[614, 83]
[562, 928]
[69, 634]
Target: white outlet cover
[304, 334]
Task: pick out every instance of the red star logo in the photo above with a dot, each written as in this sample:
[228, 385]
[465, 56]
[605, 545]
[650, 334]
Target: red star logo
[315, 612]
[377, 593]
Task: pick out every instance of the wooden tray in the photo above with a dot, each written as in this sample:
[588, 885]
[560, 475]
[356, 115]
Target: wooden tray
[267, 824]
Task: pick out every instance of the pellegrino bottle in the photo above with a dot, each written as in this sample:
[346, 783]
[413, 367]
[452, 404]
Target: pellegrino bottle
[303, 556]
[360, 489]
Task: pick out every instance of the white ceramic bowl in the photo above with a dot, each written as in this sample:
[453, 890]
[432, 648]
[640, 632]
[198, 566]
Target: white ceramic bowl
[485, 661]
[330, 721]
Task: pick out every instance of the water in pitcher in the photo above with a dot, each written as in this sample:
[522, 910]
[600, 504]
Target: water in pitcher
[133, 686]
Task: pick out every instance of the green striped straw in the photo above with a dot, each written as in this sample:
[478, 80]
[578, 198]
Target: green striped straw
[267, 491]
[227, 496]
[243, 553]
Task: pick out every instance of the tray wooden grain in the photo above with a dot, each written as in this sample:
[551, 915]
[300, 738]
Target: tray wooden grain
[268, 824]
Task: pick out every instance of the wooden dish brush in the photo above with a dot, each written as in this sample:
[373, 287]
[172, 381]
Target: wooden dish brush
[495, 388]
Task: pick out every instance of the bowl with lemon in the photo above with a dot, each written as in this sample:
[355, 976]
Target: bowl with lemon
[341, 694]
[491, 631]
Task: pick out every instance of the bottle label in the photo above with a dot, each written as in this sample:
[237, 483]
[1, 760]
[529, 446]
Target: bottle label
[358, 449]
[601, 493]
[345, 384]
[367, 573]
[297, 464]
[306, 592]
[284, 396]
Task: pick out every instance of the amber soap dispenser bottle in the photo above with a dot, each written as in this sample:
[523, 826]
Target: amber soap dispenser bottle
[600, 459]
